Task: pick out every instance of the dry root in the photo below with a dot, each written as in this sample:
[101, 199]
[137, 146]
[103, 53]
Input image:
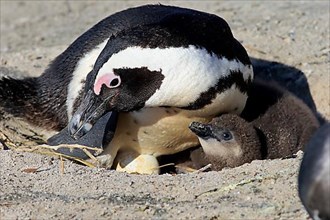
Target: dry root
[52, 150]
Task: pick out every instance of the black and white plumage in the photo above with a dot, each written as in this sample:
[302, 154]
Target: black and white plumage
[185, 48]
[159, 66]
[50, 99]
[314, 175]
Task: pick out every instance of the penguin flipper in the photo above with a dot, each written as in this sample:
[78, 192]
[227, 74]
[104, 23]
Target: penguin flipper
[100, 135]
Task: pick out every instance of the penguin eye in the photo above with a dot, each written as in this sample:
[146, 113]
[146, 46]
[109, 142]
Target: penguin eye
[110, 80]
[115, 82]
[226, 136]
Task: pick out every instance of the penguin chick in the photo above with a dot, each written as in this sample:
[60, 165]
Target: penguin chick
[284, 122]
[314, 175]
[274, 124]
[227, 141]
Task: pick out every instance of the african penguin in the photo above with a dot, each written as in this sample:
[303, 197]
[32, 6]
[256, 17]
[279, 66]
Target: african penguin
[227, 141]
[274, 124]
[160, 67]
[161, 77]
[50, 100]
[314, 175]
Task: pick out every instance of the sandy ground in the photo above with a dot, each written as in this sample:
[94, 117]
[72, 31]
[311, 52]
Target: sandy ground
[289, 41]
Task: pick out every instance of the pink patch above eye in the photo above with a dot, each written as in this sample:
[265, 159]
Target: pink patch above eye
[106, 80]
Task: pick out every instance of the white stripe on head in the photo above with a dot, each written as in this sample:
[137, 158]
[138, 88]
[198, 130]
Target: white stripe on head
[188, 71]
[83, 67]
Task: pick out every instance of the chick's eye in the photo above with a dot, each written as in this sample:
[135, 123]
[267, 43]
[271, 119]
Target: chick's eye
[227, 136]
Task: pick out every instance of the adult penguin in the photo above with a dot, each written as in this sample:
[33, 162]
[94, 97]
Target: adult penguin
[157, 62]
[49, 100]
[160, 77]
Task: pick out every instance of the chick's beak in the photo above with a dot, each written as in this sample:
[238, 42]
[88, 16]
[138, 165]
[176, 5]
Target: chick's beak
[90, 110]
[200, 129]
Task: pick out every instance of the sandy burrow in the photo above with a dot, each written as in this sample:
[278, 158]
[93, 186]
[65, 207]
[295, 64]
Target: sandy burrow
[33, 33]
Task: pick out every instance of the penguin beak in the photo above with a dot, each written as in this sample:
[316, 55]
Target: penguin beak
[201, 130]
[90, 110]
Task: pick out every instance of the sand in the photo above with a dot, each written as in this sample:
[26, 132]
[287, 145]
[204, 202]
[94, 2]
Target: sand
[287, 41]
